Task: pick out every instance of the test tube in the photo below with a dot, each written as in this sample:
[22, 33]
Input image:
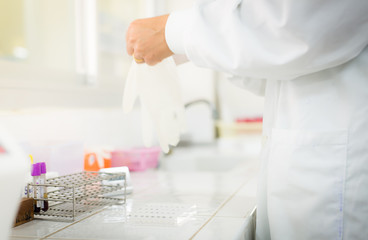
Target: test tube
[45, 204]
[36, 172]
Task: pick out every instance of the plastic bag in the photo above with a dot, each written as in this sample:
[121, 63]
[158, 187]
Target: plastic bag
[158, 91]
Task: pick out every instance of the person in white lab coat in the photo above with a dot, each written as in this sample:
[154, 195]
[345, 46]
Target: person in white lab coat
[309, 59]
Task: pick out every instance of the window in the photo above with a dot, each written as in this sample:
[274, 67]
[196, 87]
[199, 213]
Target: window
[65, 52]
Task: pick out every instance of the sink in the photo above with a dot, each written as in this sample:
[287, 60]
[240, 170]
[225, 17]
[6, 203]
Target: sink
[208, 158]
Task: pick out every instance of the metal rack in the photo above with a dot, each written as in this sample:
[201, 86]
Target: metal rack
[71, 195]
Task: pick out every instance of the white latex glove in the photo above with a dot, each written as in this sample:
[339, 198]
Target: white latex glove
[159, 93]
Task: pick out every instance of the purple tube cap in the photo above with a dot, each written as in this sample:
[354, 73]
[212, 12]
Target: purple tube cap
[36, 169]
[43, 167]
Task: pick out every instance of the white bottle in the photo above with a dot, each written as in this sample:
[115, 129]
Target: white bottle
[13, 171]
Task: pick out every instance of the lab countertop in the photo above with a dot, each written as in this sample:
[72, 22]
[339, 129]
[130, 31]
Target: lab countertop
[167, 204]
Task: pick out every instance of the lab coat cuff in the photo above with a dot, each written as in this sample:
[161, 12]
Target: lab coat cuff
[175, 30]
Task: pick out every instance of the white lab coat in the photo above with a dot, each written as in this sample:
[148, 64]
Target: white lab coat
[309, 59]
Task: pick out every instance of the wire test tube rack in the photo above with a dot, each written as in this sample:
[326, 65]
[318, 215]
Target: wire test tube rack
[72, 195]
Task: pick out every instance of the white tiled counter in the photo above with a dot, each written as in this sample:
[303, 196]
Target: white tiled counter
[167, 205]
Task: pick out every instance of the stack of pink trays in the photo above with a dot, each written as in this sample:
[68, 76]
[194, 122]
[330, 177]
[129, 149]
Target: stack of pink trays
[136, 159]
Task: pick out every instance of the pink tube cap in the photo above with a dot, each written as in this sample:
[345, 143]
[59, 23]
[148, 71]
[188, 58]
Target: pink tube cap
[43, 167]
[36, 169]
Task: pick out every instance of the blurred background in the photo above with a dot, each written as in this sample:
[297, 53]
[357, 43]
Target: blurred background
[63, 67]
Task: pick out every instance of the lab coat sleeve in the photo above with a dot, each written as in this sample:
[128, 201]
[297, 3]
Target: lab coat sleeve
[270, 39]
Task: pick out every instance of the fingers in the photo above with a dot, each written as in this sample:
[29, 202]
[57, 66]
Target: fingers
[136, 56]
[130, 39]
[138, 59]
[131, 43]
[130, 50]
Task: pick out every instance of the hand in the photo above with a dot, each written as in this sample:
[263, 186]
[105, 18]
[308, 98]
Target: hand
[146, 40]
